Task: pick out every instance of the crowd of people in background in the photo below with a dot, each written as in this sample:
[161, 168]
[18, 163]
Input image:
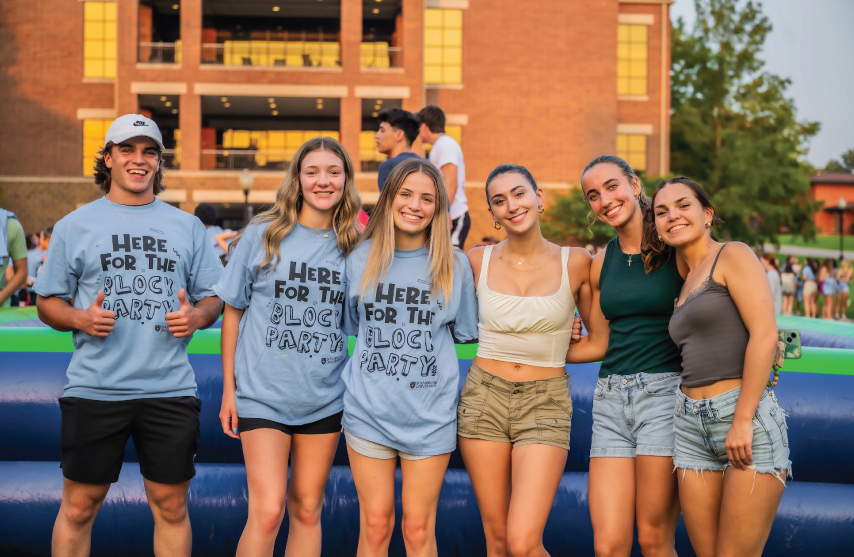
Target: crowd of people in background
[801, 286]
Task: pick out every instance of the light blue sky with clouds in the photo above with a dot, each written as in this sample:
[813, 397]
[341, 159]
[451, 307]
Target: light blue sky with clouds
[812, 43]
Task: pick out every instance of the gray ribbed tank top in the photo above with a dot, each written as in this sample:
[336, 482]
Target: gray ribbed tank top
[710, 333]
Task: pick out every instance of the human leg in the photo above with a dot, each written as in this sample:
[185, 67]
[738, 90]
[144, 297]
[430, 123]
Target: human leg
[72, 531]
[657, 505]
[172, 533]
[311, 460]
[374, 479]
[611, 492]
[422, 482]
[265, 452]
[535, 476]
[488, 466]
[749, 503]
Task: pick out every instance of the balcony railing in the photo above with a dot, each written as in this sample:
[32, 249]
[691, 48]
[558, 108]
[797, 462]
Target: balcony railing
[160, 53]
[263, 53]
[379, 55]
[171, 159]
[253, 159]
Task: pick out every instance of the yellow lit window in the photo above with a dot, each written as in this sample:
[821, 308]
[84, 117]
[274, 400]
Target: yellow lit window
[99, 39]
[443, 46]
[272, 145]
[94, 132]
[632, 149]
[368, 147]
[632, 59]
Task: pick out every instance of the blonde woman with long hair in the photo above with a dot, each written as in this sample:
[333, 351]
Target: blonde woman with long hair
[405, 285]
[283, 349]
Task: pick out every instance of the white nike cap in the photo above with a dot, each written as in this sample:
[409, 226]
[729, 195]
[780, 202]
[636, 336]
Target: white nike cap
[133, 125]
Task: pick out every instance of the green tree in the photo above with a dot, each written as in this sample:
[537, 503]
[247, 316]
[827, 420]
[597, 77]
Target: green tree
[570, 222]
[844, 167]
[733, 129]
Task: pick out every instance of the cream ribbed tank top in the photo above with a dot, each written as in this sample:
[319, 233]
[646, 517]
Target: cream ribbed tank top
[531, 330]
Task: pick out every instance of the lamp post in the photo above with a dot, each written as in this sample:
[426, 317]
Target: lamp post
[246, 182]
[842, 205]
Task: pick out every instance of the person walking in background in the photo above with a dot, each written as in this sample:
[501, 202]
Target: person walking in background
[827, 279]
[798, 302]
[397, 130]
[283, 401]
[808, 275]
[732, 450]
[788, 282]
[772, 269]
[13, 257]
[843, 280]
[447, 156]
[130, 374]
[207, 214]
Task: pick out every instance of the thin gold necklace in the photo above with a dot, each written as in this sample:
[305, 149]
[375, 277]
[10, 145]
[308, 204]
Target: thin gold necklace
[548, 248]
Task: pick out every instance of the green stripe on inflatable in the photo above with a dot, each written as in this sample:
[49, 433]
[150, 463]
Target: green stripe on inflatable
[43, 339]
[839, 328]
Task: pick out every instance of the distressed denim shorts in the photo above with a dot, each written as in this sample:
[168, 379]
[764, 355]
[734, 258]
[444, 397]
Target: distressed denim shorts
[522, 413]
[633, 415]
[701, 427]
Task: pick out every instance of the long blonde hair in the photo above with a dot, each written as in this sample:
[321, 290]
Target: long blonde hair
[282, 216]
[380, 229]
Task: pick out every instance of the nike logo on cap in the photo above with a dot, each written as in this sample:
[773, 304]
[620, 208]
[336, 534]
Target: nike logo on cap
[139, 123]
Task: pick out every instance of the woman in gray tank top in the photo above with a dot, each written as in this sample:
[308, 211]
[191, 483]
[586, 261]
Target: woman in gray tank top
[723, 323]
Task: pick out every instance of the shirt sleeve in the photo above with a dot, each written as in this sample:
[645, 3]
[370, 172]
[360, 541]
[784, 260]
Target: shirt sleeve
[350, 324]
[465, 323]
[59, 273]
[16, 240]
[442, 154]
[235, 286]
[206, 268]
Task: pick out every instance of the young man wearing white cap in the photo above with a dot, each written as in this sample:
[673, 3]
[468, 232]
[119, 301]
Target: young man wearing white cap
[132, 277]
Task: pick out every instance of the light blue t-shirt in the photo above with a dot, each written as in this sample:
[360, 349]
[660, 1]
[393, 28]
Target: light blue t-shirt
[212, 231]
[34, 259]
[140, 256]
[403, 379]
[290, 346]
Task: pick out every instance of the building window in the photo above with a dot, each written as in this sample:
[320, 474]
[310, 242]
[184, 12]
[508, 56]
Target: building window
[632, 149]
[99, 39]
[268, 149]
[94, 132]
[632, 59]
[443, 46]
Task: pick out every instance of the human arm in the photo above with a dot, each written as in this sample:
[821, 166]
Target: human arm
[449, 172]
[222, 239]
[750, 290]
[228, 346]
[16, 281]
[190, 318]
[584, 271]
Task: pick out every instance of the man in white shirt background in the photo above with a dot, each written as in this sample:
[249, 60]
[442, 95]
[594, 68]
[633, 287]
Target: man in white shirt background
[447, 156]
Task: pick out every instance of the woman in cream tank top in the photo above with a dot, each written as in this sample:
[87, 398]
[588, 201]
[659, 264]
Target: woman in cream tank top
[514, 414]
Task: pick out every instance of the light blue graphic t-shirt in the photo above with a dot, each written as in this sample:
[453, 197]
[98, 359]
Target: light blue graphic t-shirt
[403, 379]
[140, 256]
[212, 231]
[290, 346]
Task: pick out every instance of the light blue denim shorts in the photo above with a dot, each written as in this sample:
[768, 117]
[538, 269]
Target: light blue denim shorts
[633, 415]
[701, 427]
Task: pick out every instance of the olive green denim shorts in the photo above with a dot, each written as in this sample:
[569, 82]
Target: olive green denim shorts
[523, 413]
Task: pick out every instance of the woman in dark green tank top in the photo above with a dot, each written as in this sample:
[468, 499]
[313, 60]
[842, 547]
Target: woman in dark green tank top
[631, 468]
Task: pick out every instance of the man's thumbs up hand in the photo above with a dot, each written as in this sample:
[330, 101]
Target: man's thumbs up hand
[96, 321]
[186, 320]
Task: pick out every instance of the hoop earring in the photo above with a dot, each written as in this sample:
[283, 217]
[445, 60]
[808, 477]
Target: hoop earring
[708, 225]
[660, 239]
[542, 209]
[495, 225]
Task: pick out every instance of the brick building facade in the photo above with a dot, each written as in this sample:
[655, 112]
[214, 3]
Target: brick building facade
[235, 85]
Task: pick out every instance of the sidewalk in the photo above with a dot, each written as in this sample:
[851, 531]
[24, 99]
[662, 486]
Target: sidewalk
[807, 252]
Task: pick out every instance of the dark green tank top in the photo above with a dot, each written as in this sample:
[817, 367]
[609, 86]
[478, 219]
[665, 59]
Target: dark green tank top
[638, 307]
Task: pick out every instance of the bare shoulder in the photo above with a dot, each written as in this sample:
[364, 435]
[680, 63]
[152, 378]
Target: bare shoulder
[735, 260]
[475, 256]
[579, 257]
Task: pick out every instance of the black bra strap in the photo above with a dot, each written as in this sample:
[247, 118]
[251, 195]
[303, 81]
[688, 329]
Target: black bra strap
[716, 260]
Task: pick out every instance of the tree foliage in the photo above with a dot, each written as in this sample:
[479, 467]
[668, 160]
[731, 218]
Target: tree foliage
[568, 222]
[732, 128]
[844, 167]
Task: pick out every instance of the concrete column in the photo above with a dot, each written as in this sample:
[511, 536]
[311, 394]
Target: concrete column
[190, 122]
[351, 125]
[413, 53]
[351, 36]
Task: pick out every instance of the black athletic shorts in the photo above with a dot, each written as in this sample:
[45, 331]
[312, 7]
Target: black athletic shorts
[165, 434]
[460, 230]
[330, 424]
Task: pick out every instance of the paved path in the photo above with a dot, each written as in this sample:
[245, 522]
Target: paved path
[808, 252]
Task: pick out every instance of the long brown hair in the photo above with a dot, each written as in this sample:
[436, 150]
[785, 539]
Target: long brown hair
[283, 215]
[652, 246]
[380, 229]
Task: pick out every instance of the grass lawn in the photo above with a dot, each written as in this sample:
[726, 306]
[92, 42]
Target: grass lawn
[823, 241]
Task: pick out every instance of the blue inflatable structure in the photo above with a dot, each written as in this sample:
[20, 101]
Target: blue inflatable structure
[816, 516]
